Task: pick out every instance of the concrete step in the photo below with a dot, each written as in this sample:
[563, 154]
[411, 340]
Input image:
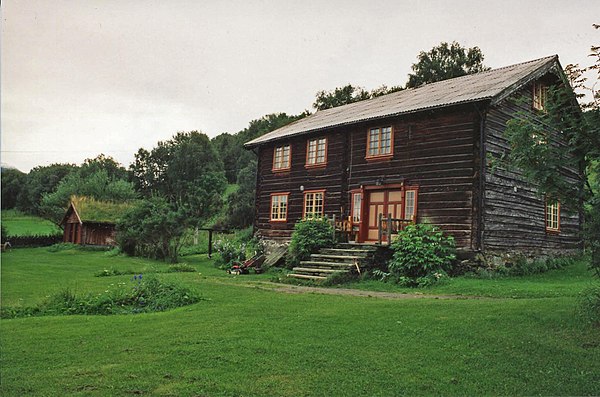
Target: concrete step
[316, 270]
[355, 246]
[306, 277]
[337, 258]
[346, 252]
[325, 264]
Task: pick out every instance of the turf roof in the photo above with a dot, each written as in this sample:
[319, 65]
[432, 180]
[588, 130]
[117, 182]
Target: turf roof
[92, 210]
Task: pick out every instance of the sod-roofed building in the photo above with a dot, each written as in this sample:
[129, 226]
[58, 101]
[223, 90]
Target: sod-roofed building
[423, 155]
[92, 222]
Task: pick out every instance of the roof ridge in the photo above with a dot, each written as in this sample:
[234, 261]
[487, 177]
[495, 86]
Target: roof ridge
[555, 56]
[412, 89]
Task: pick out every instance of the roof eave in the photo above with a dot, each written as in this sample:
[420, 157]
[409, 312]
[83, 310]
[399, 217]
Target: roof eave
[552, 65]
[251, 145]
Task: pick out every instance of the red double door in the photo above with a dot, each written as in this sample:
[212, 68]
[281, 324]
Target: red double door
[385, 202]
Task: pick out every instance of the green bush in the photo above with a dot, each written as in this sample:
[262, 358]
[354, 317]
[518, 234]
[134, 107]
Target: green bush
[147, 294]
[229, 253]
[589, 305]
[309, 236]
[422, 255]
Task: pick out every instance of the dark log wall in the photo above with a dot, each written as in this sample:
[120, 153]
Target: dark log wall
[436, 151]
[98, 234]
[329, 178]
[514, 214]
[90, 233]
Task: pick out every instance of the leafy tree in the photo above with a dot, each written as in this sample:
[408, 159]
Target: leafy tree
[240, 204]
[184, 178]
[348, 94]
[12, 182]
[98, 185]
[176, 169]
[104, 163]
[229, 150]
[152, 228]
[443, 62]
[41, 180]
[542, 157]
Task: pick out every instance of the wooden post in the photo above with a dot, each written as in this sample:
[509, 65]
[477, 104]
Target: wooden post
[210, 243]
[196, 236]
[333, 227]
[380, 228]
[389, 229]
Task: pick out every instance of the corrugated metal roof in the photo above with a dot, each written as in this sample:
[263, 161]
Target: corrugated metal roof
[493, 84]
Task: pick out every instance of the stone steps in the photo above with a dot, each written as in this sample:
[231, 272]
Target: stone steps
[342, 259]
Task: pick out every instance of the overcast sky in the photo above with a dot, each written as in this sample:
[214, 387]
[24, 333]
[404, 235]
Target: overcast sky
[85, 77]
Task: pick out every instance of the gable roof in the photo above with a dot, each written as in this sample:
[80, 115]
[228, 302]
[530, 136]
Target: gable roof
[88, 209]
[493, 85]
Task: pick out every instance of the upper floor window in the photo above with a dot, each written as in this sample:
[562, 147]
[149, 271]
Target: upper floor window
[281, 158]
[314, 203]
[316, 152]
[540, 92]
[552, 216]
[379, 142]
[279, 205]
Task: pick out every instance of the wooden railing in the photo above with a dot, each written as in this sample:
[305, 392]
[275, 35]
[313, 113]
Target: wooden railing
[389, 226]
[342, 228]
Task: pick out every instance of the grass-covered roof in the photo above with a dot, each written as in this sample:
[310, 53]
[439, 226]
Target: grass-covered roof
[92, 210]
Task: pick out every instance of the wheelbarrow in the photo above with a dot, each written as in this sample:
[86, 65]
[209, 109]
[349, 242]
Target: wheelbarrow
[244, 267]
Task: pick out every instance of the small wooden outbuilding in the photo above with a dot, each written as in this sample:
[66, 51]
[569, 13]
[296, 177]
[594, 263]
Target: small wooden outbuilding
[92, 222]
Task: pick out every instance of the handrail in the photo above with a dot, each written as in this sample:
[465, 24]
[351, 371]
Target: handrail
[388, 226]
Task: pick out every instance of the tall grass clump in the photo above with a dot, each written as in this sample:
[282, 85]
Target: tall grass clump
[143, 294]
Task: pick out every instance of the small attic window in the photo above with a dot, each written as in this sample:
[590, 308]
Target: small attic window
[540, 92]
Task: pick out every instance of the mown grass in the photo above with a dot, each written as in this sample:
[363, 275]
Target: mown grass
[256, 342]
[20, 224]
[566, 282]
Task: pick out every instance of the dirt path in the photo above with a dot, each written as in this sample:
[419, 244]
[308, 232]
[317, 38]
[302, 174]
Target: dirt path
[296, 289]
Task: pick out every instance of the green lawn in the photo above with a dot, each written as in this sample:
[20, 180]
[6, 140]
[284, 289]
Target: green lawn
[20, 224]
[252, 341]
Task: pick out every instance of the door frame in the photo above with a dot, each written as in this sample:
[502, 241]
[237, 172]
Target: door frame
[364, 211]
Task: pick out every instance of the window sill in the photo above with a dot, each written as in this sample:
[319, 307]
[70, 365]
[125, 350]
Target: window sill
[383, 157]
[313, 166]
[278, 221]
[553, 231]
[280, 170]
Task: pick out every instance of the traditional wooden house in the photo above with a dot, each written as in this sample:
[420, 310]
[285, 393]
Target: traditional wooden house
[91, 222]
[421, 154]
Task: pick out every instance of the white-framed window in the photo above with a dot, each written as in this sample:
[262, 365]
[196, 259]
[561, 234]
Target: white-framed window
[356, 207]
[540, 93]
[410, 204]
[552, 215]
[279, 206]
[282, 158]
[314, 203]
[316, 151]
[379, 141]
